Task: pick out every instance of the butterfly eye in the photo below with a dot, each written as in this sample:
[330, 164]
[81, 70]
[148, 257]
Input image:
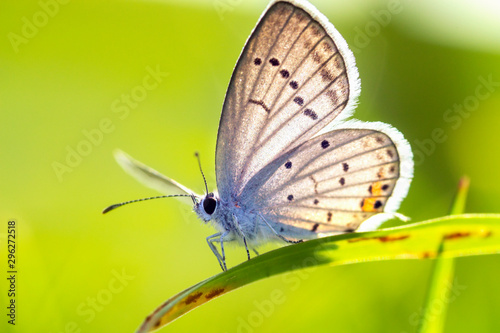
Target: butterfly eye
[209, 205]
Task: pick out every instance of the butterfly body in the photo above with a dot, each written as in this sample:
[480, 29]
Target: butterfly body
[289, 165]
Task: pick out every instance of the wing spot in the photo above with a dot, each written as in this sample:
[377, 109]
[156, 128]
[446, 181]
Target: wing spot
[288, 165]
[326, 75]
[315, 227]
[299, 100]
[257, 61]
[290, 197]
[260, 103]
[325, 144]
[370, 189]
[315, 184]
[284, 73]
[316, 57]
[274, 62]
[392, 169]
[282, 229]
[379, 139]
[385, 187]
[327, 47]
[390, 153]
[316, 201]
[377, 204]
[333, 96]
[329, 217]
[294, 84]
[316, 30]
[311, 114]
[342, 181]
[345, 166]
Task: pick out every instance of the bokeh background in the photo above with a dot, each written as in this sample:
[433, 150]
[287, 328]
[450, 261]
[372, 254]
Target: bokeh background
[66, 69]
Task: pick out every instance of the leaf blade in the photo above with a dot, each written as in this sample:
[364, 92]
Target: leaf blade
[460, 235]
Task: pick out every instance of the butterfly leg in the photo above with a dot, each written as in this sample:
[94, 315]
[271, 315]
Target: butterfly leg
[210, 240]
[246, 247]
[242, 235]
[255, 251]
[277, 234]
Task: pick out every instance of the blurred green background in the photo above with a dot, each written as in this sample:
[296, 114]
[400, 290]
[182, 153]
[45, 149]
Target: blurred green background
[65, 73]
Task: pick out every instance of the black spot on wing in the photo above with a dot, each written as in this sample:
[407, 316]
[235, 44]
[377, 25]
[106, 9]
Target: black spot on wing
[290, 197]
[294, 84]
[345, 166]
[325, 144]
[315, 227]
[311, 114]
[284, 73]
[342, 181]
[288, 165]
[257, 61]
[299, 100]
[274, 62]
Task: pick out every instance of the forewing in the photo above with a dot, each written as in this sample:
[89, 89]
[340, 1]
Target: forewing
[334, 182]
[294, 76]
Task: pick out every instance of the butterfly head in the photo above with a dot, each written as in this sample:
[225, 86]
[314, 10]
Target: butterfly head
[207, 207]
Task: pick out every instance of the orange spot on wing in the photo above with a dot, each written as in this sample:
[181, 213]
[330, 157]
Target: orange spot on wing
[214, 293]
[377, 189]
[370, 205]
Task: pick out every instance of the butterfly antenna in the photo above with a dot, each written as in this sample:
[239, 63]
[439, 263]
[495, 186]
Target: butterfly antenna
[199, 164]
[110, 208]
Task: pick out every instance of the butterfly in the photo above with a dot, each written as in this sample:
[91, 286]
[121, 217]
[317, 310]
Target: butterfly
[289, 165]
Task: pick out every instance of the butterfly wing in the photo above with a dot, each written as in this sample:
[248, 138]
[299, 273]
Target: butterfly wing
[294, 76]
[334, 182]
[150, 177]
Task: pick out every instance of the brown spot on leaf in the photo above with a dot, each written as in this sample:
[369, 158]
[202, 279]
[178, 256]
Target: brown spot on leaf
[456, 235]
[214, 293]
[427, 254]
[193, 297]
[385, 239]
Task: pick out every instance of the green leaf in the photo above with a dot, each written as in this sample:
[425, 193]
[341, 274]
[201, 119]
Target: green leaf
[462, 235]
[441, 280]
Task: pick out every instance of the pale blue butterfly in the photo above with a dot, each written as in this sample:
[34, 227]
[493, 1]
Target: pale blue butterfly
[282, 173]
